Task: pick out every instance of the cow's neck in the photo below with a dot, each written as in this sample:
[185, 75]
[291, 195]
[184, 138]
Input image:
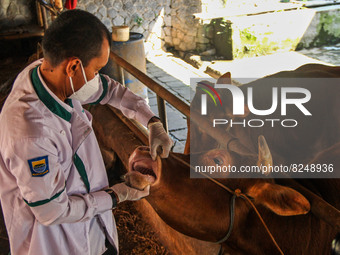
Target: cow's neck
[195, 207]
[250, 237]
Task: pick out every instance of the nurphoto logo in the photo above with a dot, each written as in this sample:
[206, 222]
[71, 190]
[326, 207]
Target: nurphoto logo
[281, 97]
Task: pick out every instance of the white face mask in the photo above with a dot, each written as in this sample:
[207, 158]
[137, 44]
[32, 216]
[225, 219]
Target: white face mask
[87, 90]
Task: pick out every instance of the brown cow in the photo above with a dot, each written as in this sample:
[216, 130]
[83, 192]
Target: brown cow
[200, 209]
[288, 145]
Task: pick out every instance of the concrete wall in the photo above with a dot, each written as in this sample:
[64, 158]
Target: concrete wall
[14, 13]
[324, 28]
[256, 35]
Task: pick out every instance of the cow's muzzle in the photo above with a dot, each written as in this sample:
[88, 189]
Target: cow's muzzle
[143, 171]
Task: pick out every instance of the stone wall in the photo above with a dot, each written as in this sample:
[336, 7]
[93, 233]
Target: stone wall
[14, 13]
[169, 23]
[184, 25]
[235, 37]
[164, 23]
[151, 18]
[174, 23]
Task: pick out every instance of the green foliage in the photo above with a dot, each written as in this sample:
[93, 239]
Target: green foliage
[138, 20]
[248, 35]
[327, 32]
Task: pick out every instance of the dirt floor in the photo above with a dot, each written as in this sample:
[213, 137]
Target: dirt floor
[135, 237]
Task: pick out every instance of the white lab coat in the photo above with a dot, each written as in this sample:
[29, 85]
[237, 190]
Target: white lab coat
[43, 144]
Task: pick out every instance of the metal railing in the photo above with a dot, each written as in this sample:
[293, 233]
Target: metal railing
[164, 95]
[319, 207]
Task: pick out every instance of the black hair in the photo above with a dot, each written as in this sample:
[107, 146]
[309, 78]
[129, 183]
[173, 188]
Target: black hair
[74, 33]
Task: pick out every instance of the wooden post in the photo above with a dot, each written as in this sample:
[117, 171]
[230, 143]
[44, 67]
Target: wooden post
[44, 17]
[39, 14]
[162, 112]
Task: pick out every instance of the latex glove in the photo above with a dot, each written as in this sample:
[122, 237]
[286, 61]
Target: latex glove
[158, 138]
[126, 193]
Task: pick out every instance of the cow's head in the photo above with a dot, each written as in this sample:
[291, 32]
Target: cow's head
[279, 199]
[199, 139]
[143, 171]
[200, 208]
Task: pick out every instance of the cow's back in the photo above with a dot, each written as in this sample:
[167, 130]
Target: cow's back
[313, 133]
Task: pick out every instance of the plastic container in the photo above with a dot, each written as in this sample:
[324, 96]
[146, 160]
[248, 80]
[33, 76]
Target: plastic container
[133, 52]
[120, 33]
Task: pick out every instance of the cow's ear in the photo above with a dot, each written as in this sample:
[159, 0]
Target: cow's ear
[224, 79]
[264, 154]
[281, 200]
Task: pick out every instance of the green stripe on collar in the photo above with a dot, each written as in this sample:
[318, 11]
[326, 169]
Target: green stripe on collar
[47, 99]
[69, 102]
[104, 82]
[42, 202]
[81, 170]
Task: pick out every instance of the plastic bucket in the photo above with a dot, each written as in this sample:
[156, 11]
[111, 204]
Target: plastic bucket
[133, 52]
[120, 33]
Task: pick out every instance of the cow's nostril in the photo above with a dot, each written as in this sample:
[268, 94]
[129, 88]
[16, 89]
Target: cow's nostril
[144, 148]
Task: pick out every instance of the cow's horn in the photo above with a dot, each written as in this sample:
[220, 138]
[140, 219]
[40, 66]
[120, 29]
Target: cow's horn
[265, 156]
[224, 79]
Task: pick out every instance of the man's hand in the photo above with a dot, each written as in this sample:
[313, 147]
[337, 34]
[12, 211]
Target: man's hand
[126, 193]
[159, 139]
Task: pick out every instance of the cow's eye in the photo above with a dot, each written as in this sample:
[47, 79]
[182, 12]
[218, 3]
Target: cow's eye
[218, 161]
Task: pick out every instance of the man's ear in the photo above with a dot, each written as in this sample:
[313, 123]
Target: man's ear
[72, 66]
[281, 200]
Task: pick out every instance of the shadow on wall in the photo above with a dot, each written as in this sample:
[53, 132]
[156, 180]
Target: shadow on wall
[16, 13]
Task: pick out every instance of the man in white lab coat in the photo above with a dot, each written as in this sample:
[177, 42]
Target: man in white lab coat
[53, 185]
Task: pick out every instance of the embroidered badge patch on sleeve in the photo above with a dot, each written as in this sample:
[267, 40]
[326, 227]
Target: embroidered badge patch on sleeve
[39, 166]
